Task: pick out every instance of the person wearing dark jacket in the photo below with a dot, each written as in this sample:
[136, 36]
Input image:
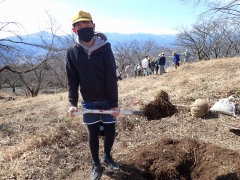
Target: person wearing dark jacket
[176, 59]
[153, 65]
[157, 64]
[91, 68]
[162, 62]
[118, 73]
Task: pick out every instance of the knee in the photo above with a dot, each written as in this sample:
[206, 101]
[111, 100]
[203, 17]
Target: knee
[109, 130]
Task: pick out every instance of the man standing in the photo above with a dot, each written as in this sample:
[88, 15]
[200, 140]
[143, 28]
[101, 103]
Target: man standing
[153, 65]
[176, 59]
[162, 62]
[186, 56]
[136, 70]
[145, 65]
[157, 64]
[90, 67]
[128, 70]
[118, 73]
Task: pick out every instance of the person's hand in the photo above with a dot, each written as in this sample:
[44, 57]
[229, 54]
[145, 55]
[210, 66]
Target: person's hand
[71, 110]
[116, 111]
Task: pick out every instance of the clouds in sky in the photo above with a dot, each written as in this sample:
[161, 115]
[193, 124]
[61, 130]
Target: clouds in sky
[109, 16]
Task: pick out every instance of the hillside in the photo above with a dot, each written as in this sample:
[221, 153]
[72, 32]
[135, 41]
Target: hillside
[39, 140]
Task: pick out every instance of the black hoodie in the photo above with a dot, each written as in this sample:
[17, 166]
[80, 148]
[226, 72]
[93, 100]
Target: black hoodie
[94, 71]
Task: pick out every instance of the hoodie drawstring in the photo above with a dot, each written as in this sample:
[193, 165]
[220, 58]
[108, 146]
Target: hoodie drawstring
[87, 53]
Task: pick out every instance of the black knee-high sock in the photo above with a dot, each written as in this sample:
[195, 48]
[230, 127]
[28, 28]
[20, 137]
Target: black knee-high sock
[109, 131]
[93, 140]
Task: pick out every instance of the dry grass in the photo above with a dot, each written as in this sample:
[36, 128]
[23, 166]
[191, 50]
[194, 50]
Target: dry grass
[39, 140]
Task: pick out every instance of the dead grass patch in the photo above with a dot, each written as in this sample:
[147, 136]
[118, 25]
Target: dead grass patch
[39, 141]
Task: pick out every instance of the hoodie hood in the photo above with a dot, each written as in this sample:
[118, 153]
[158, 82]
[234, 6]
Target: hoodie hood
[100, 39]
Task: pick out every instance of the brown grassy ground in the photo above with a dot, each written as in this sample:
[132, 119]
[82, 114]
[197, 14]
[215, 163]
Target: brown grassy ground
[39, 141]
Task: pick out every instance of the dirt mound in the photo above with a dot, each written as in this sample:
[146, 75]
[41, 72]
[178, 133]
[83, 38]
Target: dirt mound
[159, 108]
[184, 159]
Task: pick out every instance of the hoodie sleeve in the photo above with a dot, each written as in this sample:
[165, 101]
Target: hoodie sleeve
[72, 78]
[111, 79]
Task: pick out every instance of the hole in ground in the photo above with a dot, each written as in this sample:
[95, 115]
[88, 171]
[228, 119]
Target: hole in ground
[185, 159]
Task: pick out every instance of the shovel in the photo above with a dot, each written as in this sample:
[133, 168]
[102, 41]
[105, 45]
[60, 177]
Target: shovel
[98, 111]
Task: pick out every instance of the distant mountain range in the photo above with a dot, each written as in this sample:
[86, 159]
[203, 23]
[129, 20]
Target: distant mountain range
[113, 38]
[162, 39]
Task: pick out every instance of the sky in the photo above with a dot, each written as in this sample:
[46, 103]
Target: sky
[114, 16]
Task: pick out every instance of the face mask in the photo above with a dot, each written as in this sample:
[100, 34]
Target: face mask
[85, 34]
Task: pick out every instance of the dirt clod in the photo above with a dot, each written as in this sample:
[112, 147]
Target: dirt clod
[159, 108]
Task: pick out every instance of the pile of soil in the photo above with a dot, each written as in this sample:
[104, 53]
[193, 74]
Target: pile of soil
[184, 159]
[159, 108]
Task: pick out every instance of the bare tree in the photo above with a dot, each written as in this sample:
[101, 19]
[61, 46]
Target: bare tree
[134, 51]
[33, 81]
[11, 79]
[211, 38]
[229, 9]
[57, 75]
[37, 71]
[194, 2]
[9, 48]
[192, 40]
